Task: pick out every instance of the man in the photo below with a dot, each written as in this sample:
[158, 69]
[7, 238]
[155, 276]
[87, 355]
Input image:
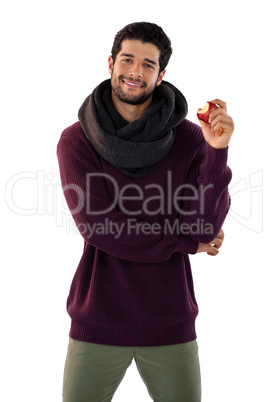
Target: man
[146, 188]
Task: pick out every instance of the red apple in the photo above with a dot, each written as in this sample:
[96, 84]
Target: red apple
[203, 114]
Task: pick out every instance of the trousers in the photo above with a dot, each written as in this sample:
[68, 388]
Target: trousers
[93, 372]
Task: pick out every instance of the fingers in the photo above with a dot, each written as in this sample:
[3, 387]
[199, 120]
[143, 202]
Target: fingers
[217, 242]
[218, 128]
[211, 250]
[220, 103]
[218, 120]
[221, 234]
[219, 115]
[212, 254]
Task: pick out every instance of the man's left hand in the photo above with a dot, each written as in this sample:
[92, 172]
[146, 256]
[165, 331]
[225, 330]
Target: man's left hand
[220, 128]
[212, 248]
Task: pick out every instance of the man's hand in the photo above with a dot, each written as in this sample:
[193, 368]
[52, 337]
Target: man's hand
[218, 119]
[212, 248]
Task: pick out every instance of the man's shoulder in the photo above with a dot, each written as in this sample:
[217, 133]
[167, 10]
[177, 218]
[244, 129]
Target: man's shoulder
[75, 134]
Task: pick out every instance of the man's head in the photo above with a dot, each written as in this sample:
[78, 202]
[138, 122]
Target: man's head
[146, 32]
[140, 54]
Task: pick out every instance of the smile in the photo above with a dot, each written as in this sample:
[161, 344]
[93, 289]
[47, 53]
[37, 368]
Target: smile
[132, 84]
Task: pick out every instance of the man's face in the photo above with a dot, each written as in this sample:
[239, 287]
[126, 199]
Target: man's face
[135, 72]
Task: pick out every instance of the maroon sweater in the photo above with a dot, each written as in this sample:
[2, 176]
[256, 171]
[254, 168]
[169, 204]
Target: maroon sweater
[133, 285]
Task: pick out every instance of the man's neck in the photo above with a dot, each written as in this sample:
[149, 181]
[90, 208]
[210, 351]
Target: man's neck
[129, 112]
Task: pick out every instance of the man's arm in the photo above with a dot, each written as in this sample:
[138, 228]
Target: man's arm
[218, 134]
[209, 175]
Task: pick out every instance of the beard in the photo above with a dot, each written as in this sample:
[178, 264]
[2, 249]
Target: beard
[129, 98]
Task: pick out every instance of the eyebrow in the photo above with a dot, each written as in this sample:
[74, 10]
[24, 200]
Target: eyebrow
[132, 55]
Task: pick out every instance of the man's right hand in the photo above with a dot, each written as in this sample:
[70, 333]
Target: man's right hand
[212, 248]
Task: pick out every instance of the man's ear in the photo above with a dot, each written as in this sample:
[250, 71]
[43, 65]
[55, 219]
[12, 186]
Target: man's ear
[110, 64]
[161, 76]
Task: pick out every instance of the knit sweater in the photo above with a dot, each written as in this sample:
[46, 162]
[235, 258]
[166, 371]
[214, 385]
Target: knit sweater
[133, 285]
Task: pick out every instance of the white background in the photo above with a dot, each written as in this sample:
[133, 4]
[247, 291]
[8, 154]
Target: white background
[54, 54]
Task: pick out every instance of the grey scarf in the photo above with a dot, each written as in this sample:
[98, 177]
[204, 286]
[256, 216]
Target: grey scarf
[132, 147]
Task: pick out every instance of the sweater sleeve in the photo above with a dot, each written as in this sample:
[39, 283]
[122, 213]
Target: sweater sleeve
[207, 200]
[75, 161]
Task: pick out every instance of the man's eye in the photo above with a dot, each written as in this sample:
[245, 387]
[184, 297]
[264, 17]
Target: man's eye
[127, 60]
[149, 66]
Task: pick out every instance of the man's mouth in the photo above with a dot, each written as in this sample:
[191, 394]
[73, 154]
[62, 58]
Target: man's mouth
[132, 84]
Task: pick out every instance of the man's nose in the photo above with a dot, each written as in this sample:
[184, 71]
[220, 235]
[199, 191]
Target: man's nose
[136, 71]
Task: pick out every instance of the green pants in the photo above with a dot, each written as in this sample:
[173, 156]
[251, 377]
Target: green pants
[93, 372]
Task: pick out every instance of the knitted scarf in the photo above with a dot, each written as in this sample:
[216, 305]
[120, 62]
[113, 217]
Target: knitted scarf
[132, 147]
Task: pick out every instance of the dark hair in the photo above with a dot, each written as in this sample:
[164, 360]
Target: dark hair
[146, 32]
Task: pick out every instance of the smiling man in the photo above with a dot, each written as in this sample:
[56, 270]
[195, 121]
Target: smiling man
[146, 187]
[134, 77]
